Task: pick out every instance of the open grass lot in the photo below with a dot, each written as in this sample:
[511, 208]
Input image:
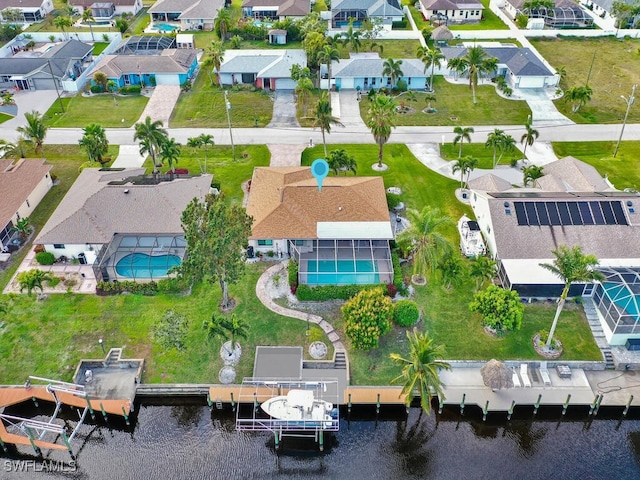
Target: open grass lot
[454, 105]
[623, 170]
[204, 106]
[65, 160]
[478, 151]
[391, 48]
[80, 111]
[615, 69]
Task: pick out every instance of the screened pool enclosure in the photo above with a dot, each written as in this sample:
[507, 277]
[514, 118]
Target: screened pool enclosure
[342, 262]
[140, 257]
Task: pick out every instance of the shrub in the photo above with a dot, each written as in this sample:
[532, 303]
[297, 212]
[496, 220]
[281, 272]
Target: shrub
[402, 86]
[393, 200]
[406, 313]
[391, 290]
[330, 292]
[96, 89]
[53, 281]
[398, 279]
[172, 285]
[367, 317]
[292, 269]
[113, 288]
[45, 258]
[399, 25]
[500, 309]
[131, 90]
[170, 331]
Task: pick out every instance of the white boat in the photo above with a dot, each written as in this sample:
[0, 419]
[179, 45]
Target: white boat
[300, 406]
[471, 242]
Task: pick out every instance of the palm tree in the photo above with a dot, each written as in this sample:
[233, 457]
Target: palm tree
[391, 68]
[112, 87]
[495, 140]
[31, 280]
[215, 57]
[351, 37]
[381, 119]
[528, 137]
[22, 228]
[508, 145]
[324, 118]
[35, 130]
[420, 369]
[304, 90]
[95, 142]
[462, 134]
[474, 63]
[531, 174]
[451, 270]
[482, 268]
[230, 328]
[87, 18]
[15, 150]
[571, 265]
[170, 153]
[430, 98]
[202, 141]
[151, 135]
[63, 22]
[423, 239]
[327, 55]
[578, 96]
[465, 166]
[340, 160]
[431, 57]
[562, 71]
[223, 22]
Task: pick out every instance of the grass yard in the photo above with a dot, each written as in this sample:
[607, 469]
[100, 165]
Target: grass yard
[478, 151]
[98, 48]
[490, 21]
[204, 106]
[390, 48]
[615, 69]
[454, 105]
[80, 111]
[623, 170]
[4, 117]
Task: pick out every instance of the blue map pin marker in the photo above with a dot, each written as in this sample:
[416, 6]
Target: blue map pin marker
[320, 169]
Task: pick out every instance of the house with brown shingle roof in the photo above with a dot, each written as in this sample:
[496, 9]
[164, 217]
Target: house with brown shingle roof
[23, 184]
[276, 9]
[339, 234]
[452, 11]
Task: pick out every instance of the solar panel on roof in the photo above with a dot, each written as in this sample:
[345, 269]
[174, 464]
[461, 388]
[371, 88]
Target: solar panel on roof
[522, 216]
[552, 210]
[563, 210]
[597, 213]
[574, 211]
[585, 211]
[532, 216]
[619, 213]
[609, 218]
[542, 213]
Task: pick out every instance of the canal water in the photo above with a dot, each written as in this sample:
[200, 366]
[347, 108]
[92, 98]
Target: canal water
[191, 442]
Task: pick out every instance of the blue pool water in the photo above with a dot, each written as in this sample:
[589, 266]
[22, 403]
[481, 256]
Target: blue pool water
[619, 294]
[164, 27]
[141, 265]
[329, 272]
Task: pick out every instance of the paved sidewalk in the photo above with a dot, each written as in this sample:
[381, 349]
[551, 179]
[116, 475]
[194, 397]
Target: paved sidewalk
[161, 103]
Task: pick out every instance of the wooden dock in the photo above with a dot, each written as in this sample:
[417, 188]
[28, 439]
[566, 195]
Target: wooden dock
[374, 396]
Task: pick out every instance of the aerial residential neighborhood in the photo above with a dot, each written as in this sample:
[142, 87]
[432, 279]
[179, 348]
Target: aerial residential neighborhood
[280, 211]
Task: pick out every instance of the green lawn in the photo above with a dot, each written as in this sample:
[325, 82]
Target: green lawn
[478, 151]
[204, 106]
[615, 69]
[454, 105]
[99, 47]
[81, 111]
[490, 21]
[4, 117]
[623, 170]
[395, 49]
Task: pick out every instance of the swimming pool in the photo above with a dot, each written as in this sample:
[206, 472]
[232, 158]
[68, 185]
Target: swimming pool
[165, 27]
[329, 272]
[141, 265]
[623, 298]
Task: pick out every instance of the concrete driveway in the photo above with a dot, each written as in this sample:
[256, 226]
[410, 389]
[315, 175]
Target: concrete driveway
[543, 110]
[284, 110]
[28, 100]
[349, 112]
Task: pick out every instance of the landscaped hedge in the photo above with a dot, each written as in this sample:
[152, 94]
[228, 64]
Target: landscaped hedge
[292, 270]
[131, 89]
[166, 285]
[398, 279]
[330, 292]
[406, 313]
[45, 258]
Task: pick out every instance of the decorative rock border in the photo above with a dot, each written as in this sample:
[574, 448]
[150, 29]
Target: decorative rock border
[227, 375]
[543, 351]
[318, 350]
[418, 280]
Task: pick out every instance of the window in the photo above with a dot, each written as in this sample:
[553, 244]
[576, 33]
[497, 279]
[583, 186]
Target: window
[5, 78]
[28, 203]
[58, 246]
[298, 243]
[265, 243]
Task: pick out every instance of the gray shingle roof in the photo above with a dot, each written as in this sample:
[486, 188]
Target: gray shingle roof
[170, 60]
[577, 175]
[203, 9]
[373, 7]
[60, 57]
[521, 61]
[264, 63]
[93, 211]
[371, 65]
[489, 183]
[294, 8]
[20, 4]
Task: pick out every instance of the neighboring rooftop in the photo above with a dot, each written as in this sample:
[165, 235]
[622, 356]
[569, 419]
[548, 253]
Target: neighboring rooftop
[286, 8]
[371, 65]
[171, 60]
[451, 5]
[521, 61]
[18, 178]
[190, 9]
[377, 8]
[266, 63]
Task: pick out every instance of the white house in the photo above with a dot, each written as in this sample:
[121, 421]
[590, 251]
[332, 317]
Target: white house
[268, 69]
[108, 9]
[276, 9]
[357, 11]
[189, 14]
[451, 11]
[28, 11]
[23, 183]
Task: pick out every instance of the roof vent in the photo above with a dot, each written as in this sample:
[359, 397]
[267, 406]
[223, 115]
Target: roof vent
[339, 209]
[506, 204]
[126, 190]
[629, 203]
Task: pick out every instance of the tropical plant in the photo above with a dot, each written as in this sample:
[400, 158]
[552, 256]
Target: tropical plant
[22, 227]
[570, 265]
[228, 329]
[45, 258]
[7, 98]
[482, 269]
[151, 136]
[465, 166]
[392, 68]
[406, 313]
[371, 29]
[31, 280]
[87, 18]
[170, 153]
[535, 5]
[215, 57]
[462, 134]
[35, 131]
[431, 57]
[381, 120]
[420, 369]
[341, 161]
[495, 141]
[101, 79]
[94, 141]
[528, 137]
[324, 119]
[562, 72]
[531, 174]
[236, 41]
[508, 146]
[474, 63]
[313, 44]
[201, 141]
[223, 23]
[522, 20]
[578, 96]
[170, 331]
[351, 37]
[304, 90]
[122, 25]
[423, 239]
[14, 150]
[327, 55]
[452, 270]
[367, 317]
[63, 22]
[500, 309]
[429, 98]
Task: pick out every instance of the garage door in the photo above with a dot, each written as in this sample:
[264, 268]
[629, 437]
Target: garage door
[531, 82]
[347, 83]
[285, 84]
[167, 80]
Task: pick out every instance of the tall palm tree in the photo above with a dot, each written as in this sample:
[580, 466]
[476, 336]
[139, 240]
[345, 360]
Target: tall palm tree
[381, 120]
[324, 119]
[571, 265]
[223, 22]
[215, 57]
[327, 55]
[94, 141]
[465, 166]
[19, 149]
[201, 141]
[392, 68]
[462, 134]
[151, 135]
[170, 153]
[431, 57]
[35, 130]
[423, 239]
[474, 63]
[578, 96]
[87, 19]
[420, 369]
[351, 38]
[304, 90]
[527, 139]
[62, 22]
[508, 145]
[482, 268]
[495, 141]
[531, 174]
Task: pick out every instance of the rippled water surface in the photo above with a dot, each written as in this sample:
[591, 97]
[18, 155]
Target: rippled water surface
[190, 442]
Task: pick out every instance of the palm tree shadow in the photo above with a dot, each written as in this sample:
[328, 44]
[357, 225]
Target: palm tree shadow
[410, 445]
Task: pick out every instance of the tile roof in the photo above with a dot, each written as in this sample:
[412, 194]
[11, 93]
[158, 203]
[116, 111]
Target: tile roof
[18, 178]
[170, 60]
[93, 211]
[521, 61]
[371, 65]
[285, 202]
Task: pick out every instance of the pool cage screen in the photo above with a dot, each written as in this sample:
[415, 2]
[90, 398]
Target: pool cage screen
[140, 257]
[342, 262]
[562, 17]
[617, 298]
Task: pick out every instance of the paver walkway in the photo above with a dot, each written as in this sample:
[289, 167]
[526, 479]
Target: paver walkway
[161, 103]
[286, 155]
